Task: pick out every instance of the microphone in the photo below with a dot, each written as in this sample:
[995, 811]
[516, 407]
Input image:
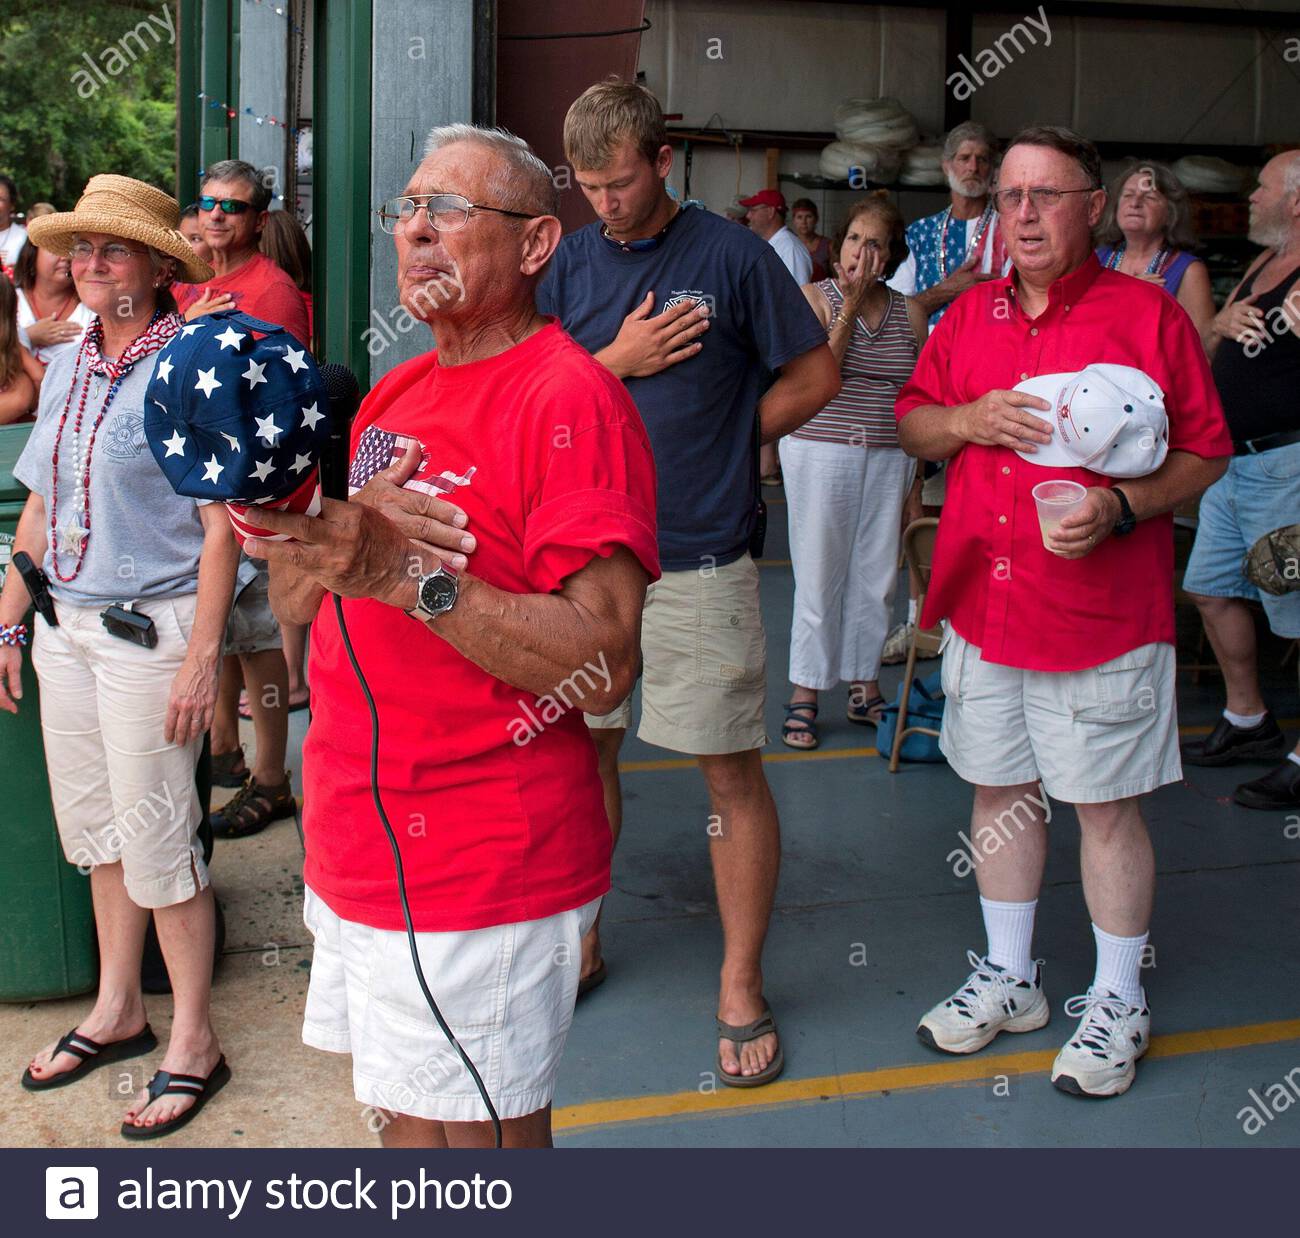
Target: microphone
[344, 395]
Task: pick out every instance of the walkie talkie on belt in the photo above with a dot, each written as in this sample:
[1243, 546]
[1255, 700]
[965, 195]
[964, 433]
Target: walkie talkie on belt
[38, 586]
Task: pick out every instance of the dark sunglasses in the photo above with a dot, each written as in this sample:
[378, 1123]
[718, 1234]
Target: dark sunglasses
[229, 206]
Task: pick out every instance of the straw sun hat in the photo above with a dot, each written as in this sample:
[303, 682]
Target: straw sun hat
[120, 206]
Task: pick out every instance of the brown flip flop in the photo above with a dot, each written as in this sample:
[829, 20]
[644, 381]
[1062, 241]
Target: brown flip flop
[764, 1025]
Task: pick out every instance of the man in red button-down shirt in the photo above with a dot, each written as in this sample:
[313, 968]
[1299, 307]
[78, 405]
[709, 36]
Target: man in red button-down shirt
[1058, 665]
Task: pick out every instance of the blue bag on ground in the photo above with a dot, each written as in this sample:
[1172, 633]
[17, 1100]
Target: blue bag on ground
[924, 709]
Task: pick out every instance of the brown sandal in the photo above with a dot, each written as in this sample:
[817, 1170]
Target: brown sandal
[764, 1025]
[229, 769]
[252, 808]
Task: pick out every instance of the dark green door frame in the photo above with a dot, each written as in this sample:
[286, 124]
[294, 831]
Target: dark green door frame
[207, 60]
[341, 225]
[189, 53]
[218, 134]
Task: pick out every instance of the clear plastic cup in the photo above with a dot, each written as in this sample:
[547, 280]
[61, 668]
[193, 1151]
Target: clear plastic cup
[1055, 500]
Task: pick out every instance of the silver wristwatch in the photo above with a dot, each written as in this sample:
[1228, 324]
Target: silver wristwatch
[436, 594]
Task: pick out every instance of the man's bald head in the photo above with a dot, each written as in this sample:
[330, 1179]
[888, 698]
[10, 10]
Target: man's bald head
[1275, 204]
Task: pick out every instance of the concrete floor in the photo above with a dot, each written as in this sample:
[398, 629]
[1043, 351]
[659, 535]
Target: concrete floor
[870, 929]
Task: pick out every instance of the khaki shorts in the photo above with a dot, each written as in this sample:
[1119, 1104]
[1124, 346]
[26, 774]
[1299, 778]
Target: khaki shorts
[704, 685]
[1092, 736]
[252, 627]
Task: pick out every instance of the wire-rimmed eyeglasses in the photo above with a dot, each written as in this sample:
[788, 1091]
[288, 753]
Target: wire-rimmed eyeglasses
[447, 211]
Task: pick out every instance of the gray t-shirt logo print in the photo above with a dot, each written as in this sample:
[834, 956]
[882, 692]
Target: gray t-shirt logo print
[124, 436]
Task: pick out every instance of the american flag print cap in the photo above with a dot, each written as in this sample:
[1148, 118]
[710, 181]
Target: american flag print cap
[236, 410]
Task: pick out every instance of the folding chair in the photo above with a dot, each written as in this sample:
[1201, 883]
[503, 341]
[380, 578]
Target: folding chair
[918, 550]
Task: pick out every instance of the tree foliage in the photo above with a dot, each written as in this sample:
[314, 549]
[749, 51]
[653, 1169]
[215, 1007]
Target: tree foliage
[51, 139]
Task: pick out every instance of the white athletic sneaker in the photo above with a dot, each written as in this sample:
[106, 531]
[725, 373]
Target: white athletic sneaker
[899, 640]
[896, 644]
[991, 1001]
[1100, 1059]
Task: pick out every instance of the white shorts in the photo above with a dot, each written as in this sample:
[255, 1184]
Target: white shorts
[1091, 736]
[506, 991]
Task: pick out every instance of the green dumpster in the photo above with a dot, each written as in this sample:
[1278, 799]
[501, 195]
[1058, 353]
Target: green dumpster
[47, 926]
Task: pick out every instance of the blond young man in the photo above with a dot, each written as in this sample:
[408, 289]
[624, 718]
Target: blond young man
[718, 349]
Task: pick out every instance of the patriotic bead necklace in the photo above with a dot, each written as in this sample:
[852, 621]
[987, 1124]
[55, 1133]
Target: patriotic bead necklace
[1154, 267]
[971, 247]
[74, 536]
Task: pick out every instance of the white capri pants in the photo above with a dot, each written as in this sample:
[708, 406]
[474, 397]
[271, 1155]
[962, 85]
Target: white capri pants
[120, 791]
[845, 507]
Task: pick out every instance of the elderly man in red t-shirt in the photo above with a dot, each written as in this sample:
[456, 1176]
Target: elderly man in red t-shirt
[1058, 664]
[495, 559]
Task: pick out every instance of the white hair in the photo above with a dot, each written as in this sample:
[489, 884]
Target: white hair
[967, 131]
[1291, 174]
[518, 180]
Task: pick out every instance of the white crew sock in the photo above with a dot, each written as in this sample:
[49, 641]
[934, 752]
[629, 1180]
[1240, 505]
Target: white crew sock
[1294, 756]
[1245, 720]
[1010, 929]
[1119, 963]
[911, 610]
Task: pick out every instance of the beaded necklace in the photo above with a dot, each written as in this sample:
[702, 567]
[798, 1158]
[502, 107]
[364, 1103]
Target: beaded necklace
[73, 537]
[1154, 267]
[971, 247]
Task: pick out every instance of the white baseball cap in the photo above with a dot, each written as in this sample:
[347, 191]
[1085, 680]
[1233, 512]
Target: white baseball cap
[1107, 418]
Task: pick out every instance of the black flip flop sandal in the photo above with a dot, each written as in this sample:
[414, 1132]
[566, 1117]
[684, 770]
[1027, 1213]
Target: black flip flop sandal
[93, 1055]
[764, 1025]
[166, 1084]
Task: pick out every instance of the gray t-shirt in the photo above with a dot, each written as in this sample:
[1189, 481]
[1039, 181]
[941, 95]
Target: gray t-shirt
[145, 539]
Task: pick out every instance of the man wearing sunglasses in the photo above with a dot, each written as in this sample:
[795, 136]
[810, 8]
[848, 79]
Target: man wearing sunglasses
[232, 210]
[233, 206]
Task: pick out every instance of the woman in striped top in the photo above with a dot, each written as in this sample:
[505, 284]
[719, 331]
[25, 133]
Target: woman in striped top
[846, 476]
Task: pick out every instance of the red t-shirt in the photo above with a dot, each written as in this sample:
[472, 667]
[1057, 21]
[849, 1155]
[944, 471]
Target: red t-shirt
[992, 577]
[492, 791]
[260, 288]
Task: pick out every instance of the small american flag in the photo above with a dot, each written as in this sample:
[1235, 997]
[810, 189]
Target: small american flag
[378, 450]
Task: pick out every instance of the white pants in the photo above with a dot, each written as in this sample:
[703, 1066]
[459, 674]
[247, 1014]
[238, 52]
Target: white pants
[120, 791]
[845, 505]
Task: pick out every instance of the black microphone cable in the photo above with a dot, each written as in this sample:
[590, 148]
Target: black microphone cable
[343, 391]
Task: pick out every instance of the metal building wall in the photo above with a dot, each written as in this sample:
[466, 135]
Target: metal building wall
[423, 58]
[263, 58]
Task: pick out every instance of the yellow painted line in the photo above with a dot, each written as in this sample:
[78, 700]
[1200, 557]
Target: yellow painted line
[894, 1078]
[820, 754]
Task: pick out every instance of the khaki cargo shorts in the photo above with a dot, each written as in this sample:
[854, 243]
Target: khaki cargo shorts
[704, 684]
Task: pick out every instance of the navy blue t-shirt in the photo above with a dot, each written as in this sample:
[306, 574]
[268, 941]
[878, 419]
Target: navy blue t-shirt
[700, 413]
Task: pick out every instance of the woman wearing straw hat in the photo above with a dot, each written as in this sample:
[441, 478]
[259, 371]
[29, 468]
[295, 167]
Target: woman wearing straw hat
[141, 581]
